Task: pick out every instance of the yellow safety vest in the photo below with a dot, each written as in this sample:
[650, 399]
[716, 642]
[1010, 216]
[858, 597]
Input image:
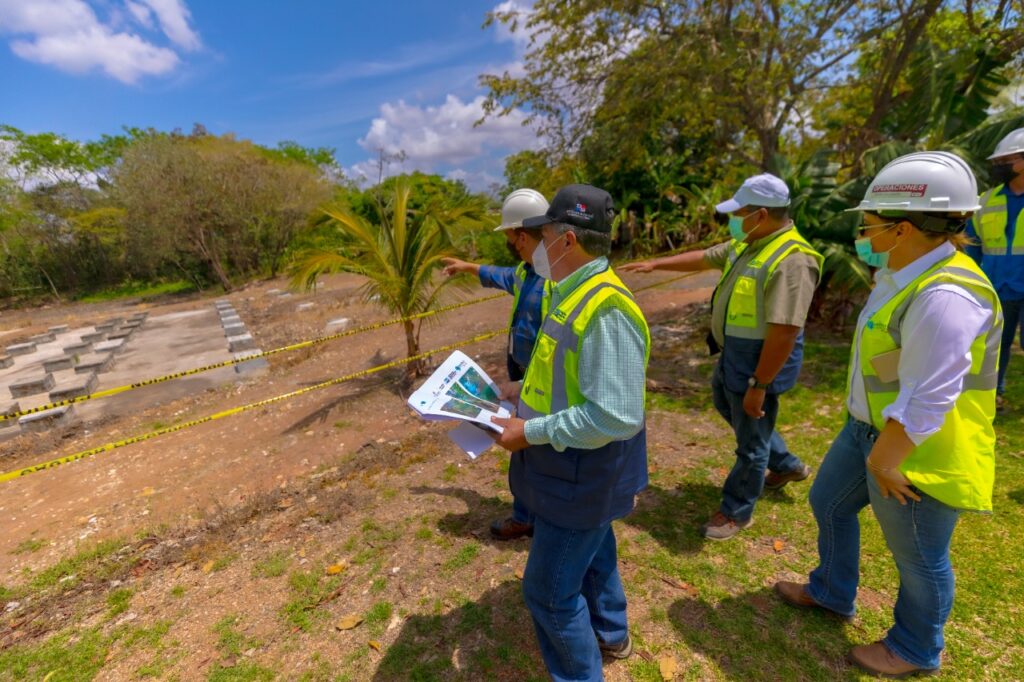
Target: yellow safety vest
[552, 379]
[991, 225]
[745, 316]
[955, 465]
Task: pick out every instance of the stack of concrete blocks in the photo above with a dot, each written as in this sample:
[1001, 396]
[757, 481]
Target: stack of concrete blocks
[240, 342]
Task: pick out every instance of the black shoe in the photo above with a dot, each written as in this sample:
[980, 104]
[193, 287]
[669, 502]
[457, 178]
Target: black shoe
[621, 650]
[510, 529]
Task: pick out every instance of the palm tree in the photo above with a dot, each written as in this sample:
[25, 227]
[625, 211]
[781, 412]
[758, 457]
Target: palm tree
[398, 256]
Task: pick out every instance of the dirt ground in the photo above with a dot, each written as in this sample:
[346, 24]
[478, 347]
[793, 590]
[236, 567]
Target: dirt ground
[182, 478]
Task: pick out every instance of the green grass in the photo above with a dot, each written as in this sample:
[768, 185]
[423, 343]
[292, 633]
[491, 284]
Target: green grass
[30, 546]
[463, 557]
[274, 566]
[139, 290]
[91, 562]
[377, 617]
[118, 602]
[307, 591]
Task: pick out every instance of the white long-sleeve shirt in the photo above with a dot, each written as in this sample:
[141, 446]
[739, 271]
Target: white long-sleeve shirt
[937, 332]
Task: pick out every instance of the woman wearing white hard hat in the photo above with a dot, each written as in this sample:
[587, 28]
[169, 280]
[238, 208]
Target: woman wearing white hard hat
[918, 445]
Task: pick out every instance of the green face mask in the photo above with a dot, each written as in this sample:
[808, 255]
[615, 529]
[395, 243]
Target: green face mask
[736, 228]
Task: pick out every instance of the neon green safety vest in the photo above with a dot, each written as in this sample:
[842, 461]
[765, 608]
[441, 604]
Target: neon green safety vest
[991, 225]
[552, 379]
[955, 465]
[745, 316]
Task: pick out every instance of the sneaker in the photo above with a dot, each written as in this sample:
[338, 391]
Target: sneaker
[510, 529]
[1002, 405]
[721, 527]
[621, 650]
[774, 481]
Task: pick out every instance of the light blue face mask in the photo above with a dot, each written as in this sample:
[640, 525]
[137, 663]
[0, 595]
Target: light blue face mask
[870, 257]
[736, 227]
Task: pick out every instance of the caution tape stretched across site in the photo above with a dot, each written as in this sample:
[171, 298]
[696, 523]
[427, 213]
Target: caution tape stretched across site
[115, 390]
[18, 473]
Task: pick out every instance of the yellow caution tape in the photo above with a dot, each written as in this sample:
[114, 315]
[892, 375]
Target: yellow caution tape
[107, 392]
[10, 475]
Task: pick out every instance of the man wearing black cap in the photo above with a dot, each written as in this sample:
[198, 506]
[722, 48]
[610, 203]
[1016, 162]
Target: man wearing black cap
[578, 442]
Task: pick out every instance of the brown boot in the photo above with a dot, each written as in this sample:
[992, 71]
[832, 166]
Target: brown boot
[510, 529]
[795, 594]
[880, 661]
[774, 481]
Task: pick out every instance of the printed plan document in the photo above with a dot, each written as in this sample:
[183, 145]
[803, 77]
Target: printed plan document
[459, 390]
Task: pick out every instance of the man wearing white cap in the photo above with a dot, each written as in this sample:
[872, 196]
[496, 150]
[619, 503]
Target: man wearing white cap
[999, 227]
[530, 293]
[758, 310]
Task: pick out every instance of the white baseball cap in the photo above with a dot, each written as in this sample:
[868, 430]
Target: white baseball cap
[759, 190]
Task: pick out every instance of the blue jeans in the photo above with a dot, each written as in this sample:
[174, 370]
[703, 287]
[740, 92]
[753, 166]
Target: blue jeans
[573, 590]
[917, 534]
[520, 514]
[1012, 319]
[758, 446]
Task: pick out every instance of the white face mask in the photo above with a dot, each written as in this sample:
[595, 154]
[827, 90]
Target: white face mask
[540, 260]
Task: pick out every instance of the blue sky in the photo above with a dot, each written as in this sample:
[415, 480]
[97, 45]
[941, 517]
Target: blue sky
[354, 76]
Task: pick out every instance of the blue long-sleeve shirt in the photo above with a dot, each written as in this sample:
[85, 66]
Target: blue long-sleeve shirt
[526, 318]
[1005, 270]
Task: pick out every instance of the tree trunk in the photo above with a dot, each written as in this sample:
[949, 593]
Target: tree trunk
[415, 368]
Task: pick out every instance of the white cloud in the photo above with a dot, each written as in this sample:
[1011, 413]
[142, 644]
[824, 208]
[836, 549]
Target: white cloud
[68, 35]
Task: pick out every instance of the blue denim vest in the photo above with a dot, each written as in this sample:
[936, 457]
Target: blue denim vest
[739, 360]
[580, 489]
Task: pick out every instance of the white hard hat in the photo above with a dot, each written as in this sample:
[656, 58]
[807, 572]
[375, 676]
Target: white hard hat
[520, 204]
[1011, 144]
[923, 182]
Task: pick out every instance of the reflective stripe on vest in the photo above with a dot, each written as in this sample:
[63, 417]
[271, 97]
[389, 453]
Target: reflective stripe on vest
[745, 314]
[991, 226]
[552, 378]
[955, 465]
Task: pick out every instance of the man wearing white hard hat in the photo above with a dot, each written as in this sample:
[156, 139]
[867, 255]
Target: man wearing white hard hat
[918, 445]
[758, 310]
[999, 227]
[529, 306]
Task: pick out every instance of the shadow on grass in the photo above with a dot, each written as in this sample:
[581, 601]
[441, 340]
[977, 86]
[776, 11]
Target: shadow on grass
[754, 636]
[490, 638]
[673, 517]
[475, 523]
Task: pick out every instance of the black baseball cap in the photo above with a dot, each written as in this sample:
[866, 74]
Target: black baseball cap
[582, 206]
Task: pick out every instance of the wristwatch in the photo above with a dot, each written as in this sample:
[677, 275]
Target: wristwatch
[752, 382]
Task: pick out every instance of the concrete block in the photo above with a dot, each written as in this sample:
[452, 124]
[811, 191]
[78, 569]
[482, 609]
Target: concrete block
[95, 362]
[59, 329]
[241, 342]
[234, 330]
[21, 349]
[285, 294]
[32, 386]
[132, 324]
[6, 361]
[228, 316]
[83, 385]
[114, 321]
[47, 419]
[337, 325]
[256, 365]
[120, 335]
[114, 347]
[93, 337]
[63, 362]
[222, 301]
[9, 408]
[305, 306]
[273, 292]
[42, 338]
[137, 317]
[231, 319]
[77, 349]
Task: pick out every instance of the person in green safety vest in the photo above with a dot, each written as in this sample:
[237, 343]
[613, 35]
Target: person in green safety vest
[758, 310]
[530, 293]
[918, 445]
[997, 230]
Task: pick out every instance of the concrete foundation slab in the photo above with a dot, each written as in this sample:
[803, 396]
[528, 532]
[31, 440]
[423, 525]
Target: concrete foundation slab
[20, 349]
[234, 330]
[231, 319]
[72, 389]
[120, 335]
[59, 329]
[253, 365]
[9, 408]
[114, 346]
[48, 337]
[63, 362]
[31, 386]
[302, 307]
[77, 348]
[241, 342]
[104, 328]
[95, 362]
[133, 324]
[114, 321]
[93, 337]
[47, 419]
[6, 361]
